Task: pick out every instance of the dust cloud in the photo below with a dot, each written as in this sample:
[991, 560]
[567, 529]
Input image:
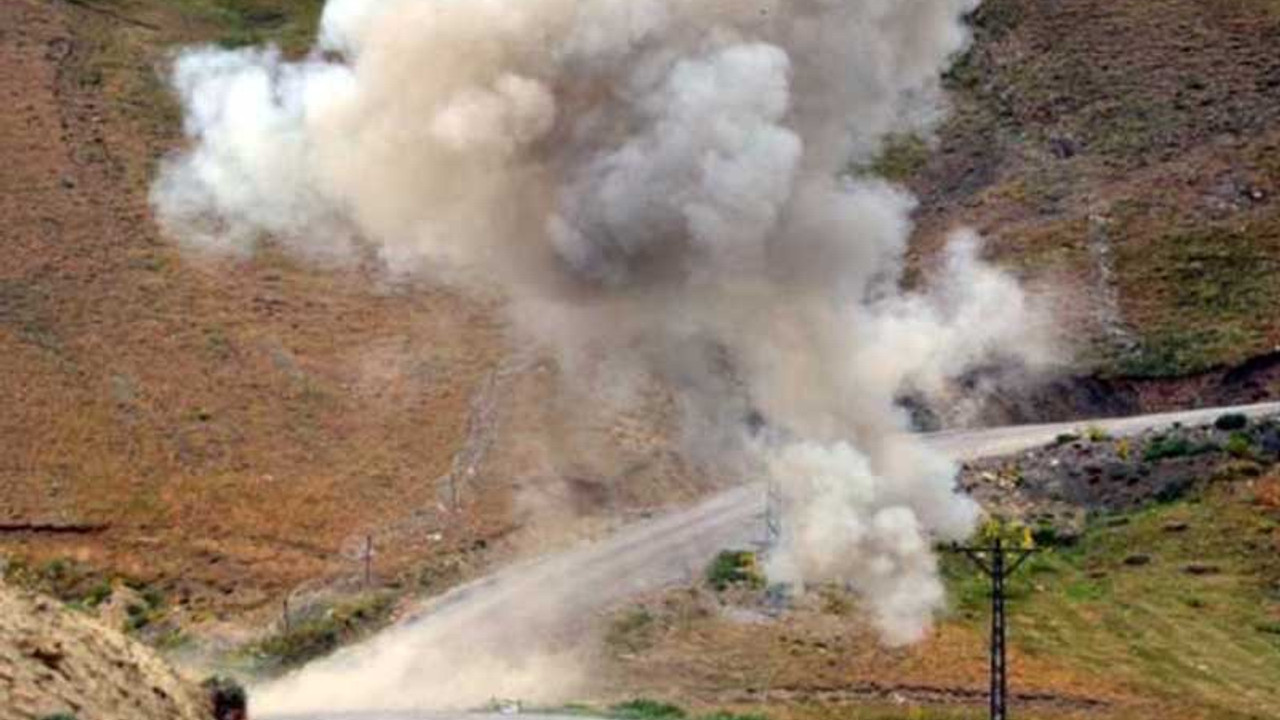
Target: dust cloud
[659, 189]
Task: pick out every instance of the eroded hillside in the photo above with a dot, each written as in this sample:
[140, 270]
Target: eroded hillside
[231, 429]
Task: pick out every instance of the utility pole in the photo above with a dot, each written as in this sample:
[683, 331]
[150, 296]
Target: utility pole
[772, 515]
[997, 562]
[368, 560]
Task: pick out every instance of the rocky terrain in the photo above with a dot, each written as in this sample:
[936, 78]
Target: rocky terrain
[220, 441]
[54, 660]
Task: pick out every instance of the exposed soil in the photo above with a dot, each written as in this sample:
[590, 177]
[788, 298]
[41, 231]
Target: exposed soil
[53, 660]
[233, 429]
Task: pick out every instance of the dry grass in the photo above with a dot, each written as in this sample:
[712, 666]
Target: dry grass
[1147, 640]
[1069, 114]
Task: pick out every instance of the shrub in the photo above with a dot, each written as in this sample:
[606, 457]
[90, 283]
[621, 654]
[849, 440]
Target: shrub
[1097, 434]
[901, 158]
[643, 709]
[1167, 448]
[322, 634]
[1240, 445]
[98, 594]
[1269, 627]
[1065, 438]
[734, 567]
[59, 716]
[1231, 421]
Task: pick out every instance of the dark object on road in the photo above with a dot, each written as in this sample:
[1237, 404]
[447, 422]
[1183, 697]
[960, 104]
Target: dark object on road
[227, 698]
[1231, 421]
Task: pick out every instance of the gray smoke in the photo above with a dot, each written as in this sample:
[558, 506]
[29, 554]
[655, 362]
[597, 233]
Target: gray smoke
[658, 188]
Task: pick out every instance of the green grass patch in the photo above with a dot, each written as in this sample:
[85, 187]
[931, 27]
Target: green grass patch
[290, 24]
[1210, 640]
[645, 709]
[1163, 447]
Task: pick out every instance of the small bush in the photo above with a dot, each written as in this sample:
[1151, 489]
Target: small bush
[98, 594]
[642, 709]
[735, 567]
[1231, 421]
[1240, 445]
[1047, 534]
[1097, 434]
[320, 635]
[1065, 438]
[901, 158]
[59, 716]
[1269, 627]
[1167, 448]
[137, 617]
[632, 631]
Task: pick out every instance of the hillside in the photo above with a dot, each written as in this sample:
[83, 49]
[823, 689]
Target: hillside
[55, 661]
[1124, 153]
[227, 432]
[1167, 608]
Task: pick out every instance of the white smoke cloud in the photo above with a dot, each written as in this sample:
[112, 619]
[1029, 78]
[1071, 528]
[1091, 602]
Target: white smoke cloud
[656, 186]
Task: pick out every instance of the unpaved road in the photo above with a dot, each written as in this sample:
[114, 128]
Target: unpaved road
[512, 634]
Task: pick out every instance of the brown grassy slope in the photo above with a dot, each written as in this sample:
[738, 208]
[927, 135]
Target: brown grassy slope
[232, 423]
[1125, 153]
[241, 424]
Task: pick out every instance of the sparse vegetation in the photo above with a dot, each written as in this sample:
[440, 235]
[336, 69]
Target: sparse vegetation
[322, 631]
[632, 630]
[1239, 445]
[901, 157]
[1169, 447]
[1097, 434]
[735, 568]
[645, 709]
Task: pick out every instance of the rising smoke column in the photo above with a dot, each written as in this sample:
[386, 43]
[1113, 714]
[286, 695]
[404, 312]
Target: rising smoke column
[658, 188]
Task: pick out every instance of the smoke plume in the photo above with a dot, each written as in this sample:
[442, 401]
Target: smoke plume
[658, 188]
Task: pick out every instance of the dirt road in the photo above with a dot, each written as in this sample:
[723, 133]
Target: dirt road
[515, 633]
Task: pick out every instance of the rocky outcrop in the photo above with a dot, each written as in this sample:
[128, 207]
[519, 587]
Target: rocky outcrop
[54, 660]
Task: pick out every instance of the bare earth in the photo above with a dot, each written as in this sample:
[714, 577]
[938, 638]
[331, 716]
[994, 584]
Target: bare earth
[53, 660]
